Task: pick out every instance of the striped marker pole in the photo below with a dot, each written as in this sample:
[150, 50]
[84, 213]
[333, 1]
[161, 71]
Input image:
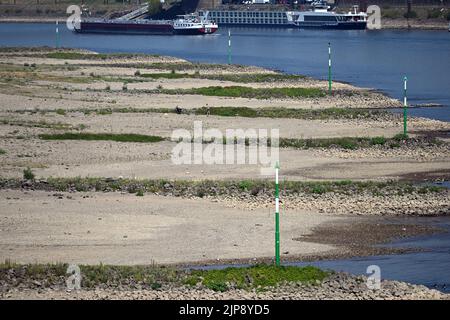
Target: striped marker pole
[405, 108]
[277, 217]
[229, 46]
[329, 68]
[57, 34]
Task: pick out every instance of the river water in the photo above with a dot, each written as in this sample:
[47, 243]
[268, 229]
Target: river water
[375, 59]
[430, 266]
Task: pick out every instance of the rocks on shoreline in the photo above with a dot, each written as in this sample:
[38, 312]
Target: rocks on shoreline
[338, 286]
[322, 199]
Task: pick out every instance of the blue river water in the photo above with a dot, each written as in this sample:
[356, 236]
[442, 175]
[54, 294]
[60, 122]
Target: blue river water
[374, 59]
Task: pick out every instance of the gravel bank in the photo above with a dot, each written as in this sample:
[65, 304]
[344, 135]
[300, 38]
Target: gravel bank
[338, 286]
[363, 204]
[385, 199]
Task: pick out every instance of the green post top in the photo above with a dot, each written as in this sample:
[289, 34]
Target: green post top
[277, 165]
[405, 78]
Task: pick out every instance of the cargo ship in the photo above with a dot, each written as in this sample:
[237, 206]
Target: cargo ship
[190, 24]
[319, 16]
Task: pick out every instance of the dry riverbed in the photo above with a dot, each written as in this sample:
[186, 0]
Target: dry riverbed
[65, 114]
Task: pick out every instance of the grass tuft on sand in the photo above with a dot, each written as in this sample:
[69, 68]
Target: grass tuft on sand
[281, 112]
[249, 92]
[237, 77]
[255, 277]
[154, 276]
[214, 188]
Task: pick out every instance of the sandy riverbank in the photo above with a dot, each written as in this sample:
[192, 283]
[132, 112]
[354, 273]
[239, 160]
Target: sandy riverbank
[51, 227]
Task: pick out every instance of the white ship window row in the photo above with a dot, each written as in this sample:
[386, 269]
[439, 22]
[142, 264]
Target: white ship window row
[243, 14]
[251, 21]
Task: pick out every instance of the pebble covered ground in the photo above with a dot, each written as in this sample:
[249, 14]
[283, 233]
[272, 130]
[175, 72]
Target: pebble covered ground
[362, 204]
[336, 287]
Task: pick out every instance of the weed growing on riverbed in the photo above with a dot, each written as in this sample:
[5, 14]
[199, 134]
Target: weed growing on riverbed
[74, 55]
[61, 112]
[2, 151]
[153, 276]
[349, 143]
[281, 112]
[46, 275]
[35, 124]
[235, 77]
[346, 143]
[124, 137]
[255, 277]
[212, 188]
[28, 174]
[243, 92]
[249, 92]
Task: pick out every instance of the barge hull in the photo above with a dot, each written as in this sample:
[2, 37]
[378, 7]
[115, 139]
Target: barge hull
[124, 28]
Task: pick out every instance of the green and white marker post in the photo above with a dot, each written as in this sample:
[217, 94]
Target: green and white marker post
[329, 68]
[229, 46]
[405, 108]
[57, 34]
[277, 217]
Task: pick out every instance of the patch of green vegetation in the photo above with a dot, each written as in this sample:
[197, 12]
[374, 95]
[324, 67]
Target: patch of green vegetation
[123, 137]
[256, 277]
[253, 77]
[18, 74]
[149, 276]
[74, 55]
[227, 112]
[140, 193]
[350, 143]
[400, 137]
[434, 13]
[35, 124]
[410, 15]
[28, 174]
[235, 77]
[245, 185]
[248, 92]
[320, 114]
[378, 141]
[344, 143]
[171, 75]
[153, 277]
[68, 55]
[319, 189]
[308, 114]
[61, 112]
[2, 151]
[216, 188]
[392, 13]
